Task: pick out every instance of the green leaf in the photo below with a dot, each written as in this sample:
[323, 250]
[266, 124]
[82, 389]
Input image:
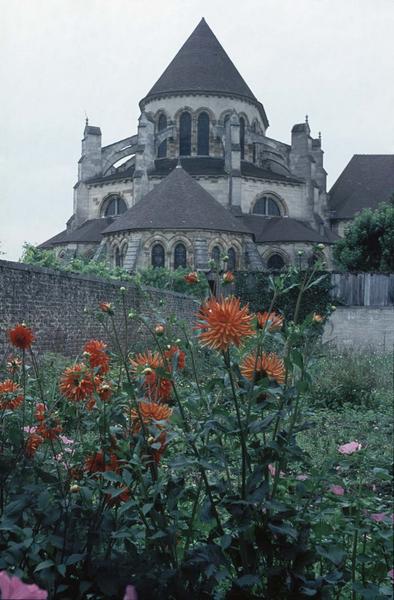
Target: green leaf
[247, 581]
[334, 554]
[46, 564]
[225, 541]
[75, 558]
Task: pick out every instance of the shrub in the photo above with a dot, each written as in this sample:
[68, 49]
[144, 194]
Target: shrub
[148, 469]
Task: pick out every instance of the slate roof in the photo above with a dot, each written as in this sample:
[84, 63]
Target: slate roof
[119, 175]
[206, 165]
[367, 180]
[202, 65]
[90, 231]
[284, 229]
[178, 202]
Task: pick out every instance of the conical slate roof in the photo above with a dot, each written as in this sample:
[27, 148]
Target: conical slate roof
[178, 202]
[202, 66]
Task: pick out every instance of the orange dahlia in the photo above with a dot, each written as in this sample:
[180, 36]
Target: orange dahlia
[224, 322]
[98, 358]
[32, 444]
[50, 430]
[106, 307]
[76, 383]
[175, 352]
[191, 277]
[145, 360]
[10, 395]
[150, 412]
[265, 365]
[13, 364]
[40, 412]
[272, 320]
[100, 462]
[21, 336]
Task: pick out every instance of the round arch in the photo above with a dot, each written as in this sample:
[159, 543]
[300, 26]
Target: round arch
[112, 205]
[271, 258]
[276, 198]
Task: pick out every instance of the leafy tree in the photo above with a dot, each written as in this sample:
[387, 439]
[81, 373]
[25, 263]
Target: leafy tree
[368, 244]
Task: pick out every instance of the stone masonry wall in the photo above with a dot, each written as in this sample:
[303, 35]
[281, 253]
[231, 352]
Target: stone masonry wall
[361, 327]
[60, 307]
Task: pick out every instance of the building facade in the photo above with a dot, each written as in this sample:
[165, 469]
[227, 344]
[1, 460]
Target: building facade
[258, 198]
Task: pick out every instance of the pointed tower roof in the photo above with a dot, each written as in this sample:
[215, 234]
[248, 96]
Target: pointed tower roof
[202, 66]
[178, 202]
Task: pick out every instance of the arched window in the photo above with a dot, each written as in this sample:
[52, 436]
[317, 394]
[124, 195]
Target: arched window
[162, 149]
[242, 137]
[157, 258]
[115, 205]
[216, 255]
[266, 206]
[180, 256]
[232, 259]
[185, 134]
[275, 262]
[203, 134]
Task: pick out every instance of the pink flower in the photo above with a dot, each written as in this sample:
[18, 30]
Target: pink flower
[272, 470]
[302, 477]
[378, 517]
[130, 593]
[66, 440]
[12, 588]
[391, 574]
[350, 448]
[30, 429]
[338, 490]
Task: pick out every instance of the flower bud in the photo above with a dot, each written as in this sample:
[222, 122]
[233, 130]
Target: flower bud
[300, 252]
[333, 307]
[75, 488]
[122, 289]
[320, 246]
[159, 329]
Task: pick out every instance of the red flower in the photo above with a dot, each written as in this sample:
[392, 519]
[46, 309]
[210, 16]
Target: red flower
[21, 336]
[192, 277]
[13, 364]
[99, 462]
[40, 412]
[265, 365]
[98, 358]
[274, 321]
[175, 351]
[157, 388]
[50, 431]
[223, 323]
[77, 383]
[32, 444]
[10, 395]
[228, 277]
[124, 496]
[106, 307]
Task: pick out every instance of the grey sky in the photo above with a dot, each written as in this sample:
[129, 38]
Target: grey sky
[330, 59]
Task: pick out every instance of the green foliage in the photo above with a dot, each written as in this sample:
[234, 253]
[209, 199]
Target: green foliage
[167, 279]
[255, 288]
[229, 497]
[368, 244]
[348, 377]
[47, 258]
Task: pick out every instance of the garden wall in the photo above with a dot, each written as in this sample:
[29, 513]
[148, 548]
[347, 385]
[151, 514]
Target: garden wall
[361, 327]
[59, 306]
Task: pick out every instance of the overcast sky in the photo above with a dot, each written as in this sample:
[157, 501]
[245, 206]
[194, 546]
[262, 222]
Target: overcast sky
[330, 59]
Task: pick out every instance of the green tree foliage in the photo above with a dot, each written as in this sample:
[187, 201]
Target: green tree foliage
[368, 244]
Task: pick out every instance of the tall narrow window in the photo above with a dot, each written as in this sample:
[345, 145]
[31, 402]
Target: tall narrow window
[232, 259]
[185, 134]
[162, 149]
[180, 256]
[203, 134]
[254, 153]
[118, 258]
[157, 256]
[242, 137]
[216, 255]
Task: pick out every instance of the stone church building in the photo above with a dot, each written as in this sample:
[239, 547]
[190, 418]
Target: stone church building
[200, 179]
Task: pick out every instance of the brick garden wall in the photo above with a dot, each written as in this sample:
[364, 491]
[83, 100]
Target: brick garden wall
[59, 306]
